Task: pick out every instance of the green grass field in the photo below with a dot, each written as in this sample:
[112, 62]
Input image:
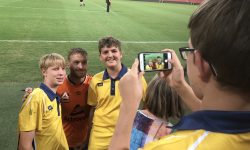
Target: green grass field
[31, 28]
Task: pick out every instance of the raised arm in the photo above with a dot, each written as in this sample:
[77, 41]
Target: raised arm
[175, 78]
[131, 90]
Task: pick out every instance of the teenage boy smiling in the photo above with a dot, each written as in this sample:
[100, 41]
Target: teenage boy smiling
[40, 122]
[103, 94]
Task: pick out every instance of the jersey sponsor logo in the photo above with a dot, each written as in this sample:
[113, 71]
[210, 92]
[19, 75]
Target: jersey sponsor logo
[78, 113]
[65, 97]
[77, 110]
[78, 92]
[100, 84]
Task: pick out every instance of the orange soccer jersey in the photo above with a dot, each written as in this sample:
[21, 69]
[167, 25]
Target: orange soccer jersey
[75, 110]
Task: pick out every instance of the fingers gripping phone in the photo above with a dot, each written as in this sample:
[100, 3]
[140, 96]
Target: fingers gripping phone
[154, 61]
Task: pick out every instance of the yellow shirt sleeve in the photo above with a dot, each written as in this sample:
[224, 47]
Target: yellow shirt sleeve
[92, 94]
[30, 115]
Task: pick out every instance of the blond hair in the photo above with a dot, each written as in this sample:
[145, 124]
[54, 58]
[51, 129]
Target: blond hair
[52, 59]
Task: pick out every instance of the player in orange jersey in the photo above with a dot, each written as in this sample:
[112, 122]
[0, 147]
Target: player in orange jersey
[73, 93]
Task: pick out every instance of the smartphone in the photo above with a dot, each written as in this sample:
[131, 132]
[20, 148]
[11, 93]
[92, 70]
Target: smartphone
[154, 61]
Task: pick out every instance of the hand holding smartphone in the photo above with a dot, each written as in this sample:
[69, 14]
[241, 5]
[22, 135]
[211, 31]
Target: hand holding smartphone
[154, 61]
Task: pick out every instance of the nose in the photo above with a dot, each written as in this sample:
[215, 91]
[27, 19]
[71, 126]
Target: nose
[62, 71]
[109, 54]
[80, 65]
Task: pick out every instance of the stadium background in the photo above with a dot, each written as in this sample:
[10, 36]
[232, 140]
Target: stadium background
[31, 28]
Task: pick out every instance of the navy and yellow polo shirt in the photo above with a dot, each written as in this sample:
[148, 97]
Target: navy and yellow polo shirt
[41, 112]
[208, 130]
[104, 94]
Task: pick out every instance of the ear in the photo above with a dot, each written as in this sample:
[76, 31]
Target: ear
[121, 53]
[203, 67]
[44, 72]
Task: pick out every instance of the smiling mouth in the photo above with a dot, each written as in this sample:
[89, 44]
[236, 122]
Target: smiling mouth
[111, 60]
[59, 79]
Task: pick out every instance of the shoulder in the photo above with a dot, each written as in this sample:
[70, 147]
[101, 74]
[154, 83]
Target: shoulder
[35, 98]
[88, 78]
[97, 77]
[177, 140]
[37, 94]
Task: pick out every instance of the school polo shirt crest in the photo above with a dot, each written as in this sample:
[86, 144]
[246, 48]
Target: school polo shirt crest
[205, 130]
[41, 112]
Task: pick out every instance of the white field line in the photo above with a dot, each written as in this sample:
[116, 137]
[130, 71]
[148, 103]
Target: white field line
[130, 42]
[54, 9]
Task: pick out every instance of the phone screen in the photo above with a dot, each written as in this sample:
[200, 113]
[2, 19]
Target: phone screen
[154, 61]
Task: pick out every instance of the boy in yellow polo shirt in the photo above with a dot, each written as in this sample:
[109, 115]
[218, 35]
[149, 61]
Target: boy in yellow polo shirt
[104, 95]
[40, 122]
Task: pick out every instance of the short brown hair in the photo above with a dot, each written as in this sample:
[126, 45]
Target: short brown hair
[109, 41]
[220, 30]
[80, 51]
[163, 101]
